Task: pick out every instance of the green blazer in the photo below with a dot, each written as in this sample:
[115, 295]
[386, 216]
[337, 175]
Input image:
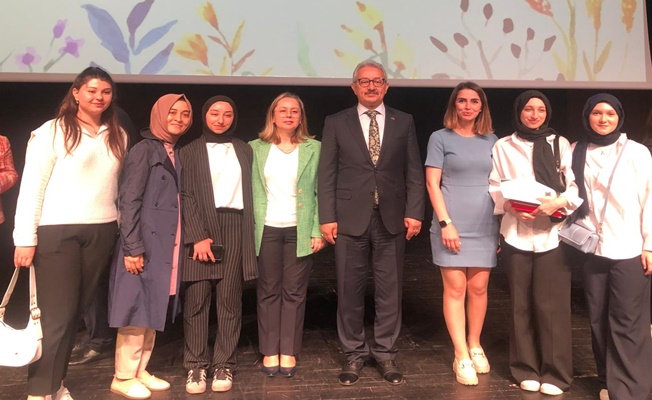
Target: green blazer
[307, 211]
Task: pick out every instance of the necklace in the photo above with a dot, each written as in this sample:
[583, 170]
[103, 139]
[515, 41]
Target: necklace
[91, 128]
[287, 149]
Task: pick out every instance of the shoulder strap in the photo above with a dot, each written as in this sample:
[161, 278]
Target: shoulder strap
[33, 306]
[606, 197]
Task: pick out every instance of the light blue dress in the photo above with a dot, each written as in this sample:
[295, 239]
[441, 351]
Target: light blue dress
[465, 163]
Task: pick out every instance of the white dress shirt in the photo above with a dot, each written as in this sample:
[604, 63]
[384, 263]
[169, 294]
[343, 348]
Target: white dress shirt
[628, 217]
[226, 175]
[512, 158]
[366, 119]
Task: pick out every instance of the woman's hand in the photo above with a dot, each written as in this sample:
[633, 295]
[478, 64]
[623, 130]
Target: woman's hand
[202, 250]
[646, 258]
[317, 243]
[523, 216]
[24, 256]
[451, 239]
[549, 206]
[135, 264]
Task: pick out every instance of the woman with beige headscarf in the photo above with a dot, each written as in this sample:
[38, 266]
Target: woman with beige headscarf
[145, 272]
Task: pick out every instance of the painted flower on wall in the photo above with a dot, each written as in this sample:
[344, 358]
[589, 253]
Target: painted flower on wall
[27, 59]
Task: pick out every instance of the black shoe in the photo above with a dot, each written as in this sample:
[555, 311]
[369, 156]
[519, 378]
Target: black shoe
[351, 372]
[88, 356]
[390, 372]
[79, 349]
[288, 372]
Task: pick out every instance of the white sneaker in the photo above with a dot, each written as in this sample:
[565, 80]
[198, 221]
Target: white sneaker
[222, 380]
[550, 389]
[604, 394]
[61, 394]
[196, 382]
[530, 385]
[464, 372]
[480, 361]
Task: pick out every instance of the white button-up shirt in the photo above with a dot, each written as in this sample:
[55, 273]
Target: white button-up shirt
[366, 119]
[512, 158]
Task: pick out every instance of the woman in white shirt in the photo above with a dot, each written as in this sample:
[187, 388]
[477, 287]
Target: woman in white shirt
[66, 217]
[616, 277]
[287, 229]
[539, 277]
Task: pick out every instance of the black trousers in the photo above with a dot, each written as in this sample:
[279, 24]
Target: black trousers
[69, 263]
[540, 335]
[99, 336]
[228, 292]
[352, 266]
[618, 300]
[281, 291]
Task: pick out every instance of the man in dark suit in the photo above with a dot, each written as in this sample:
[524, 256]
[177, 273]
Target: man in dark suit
[371, 198]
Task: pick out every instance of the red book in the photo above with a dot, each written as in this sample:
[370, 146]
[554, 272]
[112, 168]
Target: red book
[529, 207]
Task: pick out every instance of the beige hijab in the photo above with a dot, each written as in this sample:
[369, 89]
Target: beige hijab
[158, 121]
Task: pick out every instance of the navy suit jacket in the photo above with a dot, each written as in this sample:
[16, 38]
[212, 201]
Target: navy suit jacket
[347, 176]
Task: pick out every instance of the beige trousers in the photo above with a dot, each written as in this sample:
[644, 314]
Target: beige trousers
[133, 350]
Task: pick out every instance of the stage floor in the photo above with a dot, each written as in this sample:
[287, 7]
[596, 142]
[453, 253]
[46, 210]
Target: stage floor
[425, 353]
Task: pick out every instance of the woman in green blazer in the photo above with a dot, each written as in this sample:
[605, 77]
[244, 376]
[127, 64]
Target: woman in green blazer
[284, 178]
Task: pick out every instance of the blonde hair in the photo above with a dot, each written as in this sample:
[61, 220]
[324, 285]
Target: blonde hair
[269, 133]
[482, 122]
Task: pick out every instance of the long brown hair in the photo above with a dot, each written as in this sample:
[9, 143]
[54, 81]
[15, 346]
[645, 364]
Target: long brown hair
[269, 133]
[482, 122]
[67, 116]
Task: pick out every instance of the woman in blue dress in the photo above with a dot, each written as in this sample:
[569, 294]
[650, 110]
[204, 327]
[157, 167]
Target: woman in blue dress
[457, 172]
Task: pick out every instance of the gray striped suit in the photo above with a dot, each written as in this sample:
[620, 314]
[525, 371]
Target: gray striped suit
[236, 232]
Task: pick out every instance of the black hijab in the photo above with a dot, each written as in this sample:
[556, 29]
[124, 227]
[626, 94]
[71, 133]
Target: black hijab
[209, 135]
[543, 159]
[591, 136]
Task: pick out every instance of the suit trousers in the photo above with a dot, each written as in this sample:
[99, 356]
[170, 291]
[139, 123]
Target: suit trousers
[69, 263]
[133, 349]
[352, 266]
[618, 300]
[228, 293]
[540, 335]
[281, 292]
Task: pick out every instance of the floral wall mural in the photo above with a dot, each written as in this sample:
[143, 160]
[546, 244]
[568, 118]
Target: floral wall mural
[419, 42]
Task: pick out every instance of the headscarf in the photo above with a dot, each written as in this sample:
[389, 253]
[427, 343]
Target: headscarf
[543, 159]
[158, 120]
[211, 136]
[591, 136]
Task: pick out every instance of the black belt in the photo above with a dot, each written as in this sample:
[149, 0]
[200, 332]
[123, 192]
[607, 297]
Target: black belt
[228, 210]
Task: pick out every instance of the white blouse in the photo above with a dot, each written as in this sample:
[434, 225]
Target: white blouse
[226, 175]
[628, 217]
[281, 187]
[512, 158]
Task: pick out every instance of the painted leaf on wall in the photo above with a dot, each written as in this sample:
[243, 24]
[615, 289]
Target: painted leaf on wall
[136, 18]
[108, 31]
[602, 60]
[156, 64]
[154, 36]
[303, 54]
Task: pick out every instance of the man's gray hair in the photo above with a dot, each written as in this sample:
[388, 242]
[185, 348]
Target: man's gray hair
[369, 63]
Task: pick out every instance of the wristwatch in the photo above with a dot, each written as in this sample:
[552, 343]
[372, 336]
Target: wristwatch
[444, 223]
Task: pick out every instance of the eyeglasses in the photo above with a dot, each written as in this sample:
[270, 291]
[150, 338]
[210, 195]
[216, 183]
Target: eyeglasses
[293, 113]
[364, 82]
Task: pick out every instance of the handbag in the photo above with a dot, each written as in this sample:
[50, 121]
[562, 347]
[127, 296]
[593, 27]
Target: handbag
[19, 347]
[581, 238]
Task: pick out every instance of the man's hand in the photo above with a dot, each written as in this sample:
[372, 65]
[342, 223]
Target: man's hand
[413, 227]
[329, 232]
[135, 264]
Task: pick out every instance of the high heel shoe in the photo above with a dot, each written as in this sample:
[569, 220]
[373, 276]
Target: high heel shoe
[270, 371]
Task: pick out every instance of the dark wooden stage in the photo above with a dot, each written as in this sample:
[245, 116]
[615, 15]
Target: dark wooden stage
[425, 355]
